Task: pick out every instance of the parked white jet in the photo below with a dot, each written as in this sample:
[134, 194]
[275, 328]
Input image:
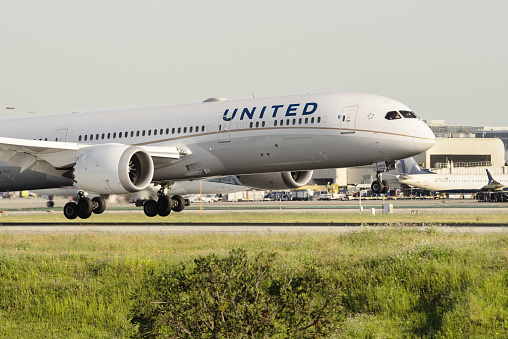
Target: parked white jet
[270, 142]
[411, 174]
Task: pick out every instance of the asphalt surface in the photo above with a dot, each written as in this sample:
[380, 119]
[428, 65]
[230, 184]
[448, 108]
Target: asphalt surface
[21, 206]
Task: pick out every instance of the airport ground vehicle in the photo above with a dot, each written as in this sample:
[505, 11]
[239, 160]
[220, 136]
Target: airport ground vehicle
[501, 196]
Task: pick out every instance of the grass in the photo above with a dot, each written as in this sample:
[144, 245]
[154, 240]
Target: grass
[392, 283]
[437, 217]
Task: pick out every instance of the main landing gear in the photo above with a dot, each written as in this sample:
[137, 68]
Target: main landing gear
[84, 207]
[164, 205]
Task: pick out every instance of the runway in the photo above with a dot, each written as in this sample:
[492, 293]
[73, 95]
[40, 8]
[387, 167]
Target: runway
[167, 226]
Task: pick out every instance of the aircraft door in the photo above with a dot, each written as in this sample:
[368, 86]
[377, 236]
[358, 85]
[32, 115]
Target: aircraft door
[61, 135]
[348, 119]
[223, 133]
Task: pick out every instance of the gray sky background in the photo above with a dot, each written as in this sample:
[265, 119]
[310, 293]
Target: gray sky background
[444, 59]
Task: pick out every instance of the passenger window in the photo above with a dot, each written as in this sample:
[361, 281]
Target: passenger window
[392, 115]
[154, 132]
[79, 139]
[190, 129]
[149, 132]
[203, 128]
[137, 133]
[287, 122]
[173, 130]
[300, 121]
[97, 137]
[281, 122]
[251, 123]
[120, 135]
[312, 120]
[143, 133]
[167, 130]
[102, 136]
[275, 122]
[161, 131]
[179, 130]
[185, 129]
[257, 124]
[318, 120]
[263, 124]
[109, 135]
[114, 135]
[408, 114]
[91, 136]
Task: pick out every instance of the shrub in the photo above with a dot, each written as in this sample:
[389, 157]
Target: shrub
[235, 296]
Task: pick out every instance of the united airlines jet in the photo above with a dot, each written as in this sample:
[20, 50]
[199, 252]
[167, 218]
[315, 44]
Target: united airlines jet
[269, 143]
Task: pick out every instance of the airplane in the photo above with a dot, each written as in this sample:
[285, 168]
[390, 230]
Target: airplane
[411, 174]
[220, 185]
[270, 143]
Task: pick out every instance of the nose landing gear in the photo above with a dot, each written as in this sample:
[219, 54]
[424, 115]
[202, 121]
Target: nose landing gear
[380, 186]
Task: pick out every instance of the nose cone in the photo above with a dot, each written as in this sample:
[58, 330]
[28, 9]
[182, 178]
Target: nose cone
[423, 137]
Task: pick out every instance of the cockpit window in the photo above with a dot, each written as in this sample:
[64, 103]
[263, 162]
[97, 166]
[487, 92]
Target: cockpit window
[392, 115]
[408, 114]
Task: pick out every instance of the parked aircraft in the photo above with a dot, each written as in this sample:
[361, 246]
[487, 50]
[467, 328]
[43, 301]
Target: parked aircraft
[411, 174]
[270, 143]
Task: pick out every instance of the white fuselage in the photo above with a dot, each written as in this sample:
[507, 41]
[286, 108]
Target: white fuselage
[291, 133]
[466, 183]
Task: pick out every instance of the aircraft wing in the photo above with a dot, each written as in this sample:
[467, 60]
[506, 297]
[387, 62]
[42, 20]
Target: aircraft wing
[26, 153]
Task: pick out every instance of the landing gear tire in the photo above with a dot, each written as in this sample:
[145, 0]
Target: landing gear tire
[50, 204]
[151, 208]
[178, 203]
[377, 186]
[71, 210]
[98, 205]
[84, 215]
[85, 206]
[386, 187]
[164, 205]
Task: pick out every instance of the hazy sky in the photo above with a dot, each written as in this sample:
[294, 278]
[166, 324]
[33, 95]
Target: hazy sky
[444, 59]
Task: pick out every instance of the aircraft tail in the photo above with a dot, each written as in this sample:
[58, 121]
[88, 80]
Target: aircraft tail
[491, 179]
[409, 166]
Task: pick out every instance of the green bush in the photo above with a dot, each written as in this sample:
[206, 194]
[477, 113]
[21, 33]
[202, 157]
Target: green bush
[235, 296]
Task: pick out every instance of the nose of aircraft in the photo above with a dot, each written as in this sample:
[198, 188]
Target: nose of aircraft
[423, 137]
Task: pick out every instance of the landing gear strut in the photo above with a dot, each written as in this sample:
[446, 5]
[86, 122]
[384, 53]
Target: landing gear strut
[84, 207]
[164, 205]
[380, 186]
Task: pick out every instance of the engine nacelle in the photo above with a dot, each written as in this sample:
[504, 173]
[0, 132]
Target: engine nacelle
[113, 169]
[277, 181]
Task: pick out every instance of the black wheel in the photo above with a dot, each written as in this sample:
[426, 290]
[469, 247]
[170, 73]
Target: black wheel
[98, 205]
[187, 202]
[84, 215]
[85, 206]
[164, 205]
[71, 210]
[151, 208]
[386, 187]
[50, 204]
[178, 203]
[377, 186]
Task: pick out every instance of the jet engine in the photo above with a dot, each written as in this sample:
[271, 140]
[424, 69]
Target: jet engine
[277, 181]
[113, 169]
